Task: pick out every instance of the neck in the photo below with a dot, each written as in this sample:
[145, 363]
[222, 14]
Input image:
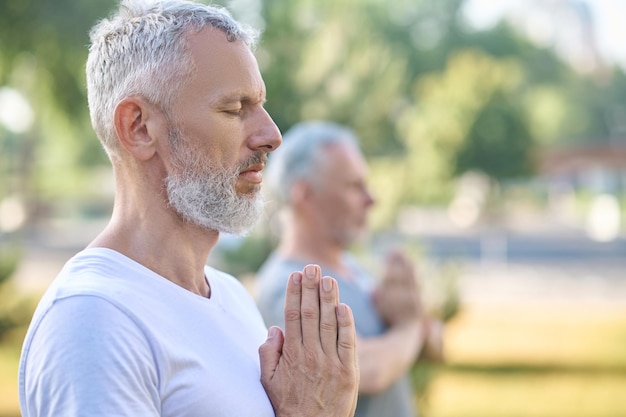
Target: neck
[310, 245]
[151, 234]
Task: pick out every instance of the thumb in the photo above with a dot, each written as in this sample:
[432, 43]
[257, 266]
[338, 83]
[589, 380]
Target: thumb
[270, 352]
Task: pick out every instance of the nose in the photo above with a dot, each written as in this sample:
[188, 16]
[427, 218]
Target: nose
[266, 136]
[368, 198]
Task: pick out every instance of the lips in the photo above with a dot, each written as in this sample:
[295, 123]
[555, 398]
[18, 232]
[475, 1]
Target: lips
[253, 173]
[255, 167]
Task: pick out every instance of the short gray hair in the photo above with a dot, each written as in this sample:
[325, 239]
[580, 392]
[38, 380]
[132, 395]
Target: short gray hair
[301, 154]
[142, 50]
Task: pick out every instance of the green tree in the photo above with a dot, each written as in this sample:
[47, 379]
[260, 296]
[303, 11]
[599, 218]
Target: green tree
[498, 143]
[43, 48]
[399, 73]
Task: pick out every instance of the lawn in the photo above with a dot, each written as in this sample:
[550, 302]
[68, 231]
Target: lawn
[9, 358]
[560, 360]
[535, 360]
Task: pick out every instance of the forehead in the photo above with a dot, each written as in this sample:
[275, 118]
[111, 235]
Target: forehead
[224, 70]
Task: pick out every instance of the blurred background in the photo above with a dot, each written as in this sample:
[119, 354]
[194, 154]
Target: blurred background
[496, 136]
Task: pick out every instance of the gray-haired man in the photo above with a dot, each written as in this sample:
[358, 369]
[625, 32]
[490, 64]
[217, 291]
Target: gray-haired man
[135, 324]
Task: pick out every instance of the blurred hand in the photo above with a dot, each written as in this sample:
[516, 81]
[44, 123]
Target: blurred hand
[398, 297]
[312, 369]
[433, 345]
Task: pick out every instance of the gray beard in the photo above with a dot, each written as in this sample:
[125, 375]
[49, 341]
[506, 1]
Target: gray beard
[205, 195]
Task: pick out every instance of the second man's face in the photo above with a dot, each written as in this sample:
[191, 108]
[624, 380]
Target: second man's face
[343, 199]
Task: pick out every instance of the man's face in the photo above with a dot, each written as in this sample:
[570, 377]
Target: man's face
[341, 197]
[220, 137]
[206, 194]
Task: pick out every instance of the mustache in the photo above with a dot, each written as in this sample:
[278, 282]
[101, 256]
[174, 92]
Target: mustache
[257, 158]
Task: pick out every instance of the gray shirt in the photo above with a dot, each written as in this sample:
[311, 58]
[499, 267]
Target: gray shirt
[355, 291]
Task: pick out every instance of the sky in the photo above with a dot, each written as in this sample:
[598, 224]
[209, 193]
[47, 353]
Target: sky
[548, 22]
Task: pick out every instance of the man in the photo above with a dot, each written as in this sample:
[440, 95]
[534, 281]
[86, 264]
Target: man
[136, 325]
[319, 176]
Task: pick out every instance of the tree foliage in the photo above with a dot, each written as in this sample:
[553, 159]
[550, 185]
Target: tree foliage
[498, 142]
[43, 48]
[429, 97]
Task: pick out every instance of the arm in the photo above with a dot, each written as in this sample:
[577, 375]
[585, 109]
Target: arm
[386, 358]
[312, 369]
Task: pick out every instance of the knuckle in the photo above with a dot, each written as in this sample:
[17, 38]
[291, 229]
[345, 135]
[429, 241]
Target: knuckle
[328, 327]
[344, 376]
[310, 313]
[311, 360]
[292, 314]
[347, 344]
[327, 297]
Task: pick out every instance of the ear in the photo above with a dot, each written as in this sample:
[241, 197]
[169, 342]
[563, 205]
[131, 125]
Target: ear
[300, 192]
[138, 125]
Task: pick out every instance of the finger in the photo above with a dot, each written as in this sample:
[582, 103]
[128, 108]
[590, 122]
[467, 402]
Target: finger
[346, 337]
[329, 298]
[269, 353]
[395, 267]
[293, 299]
[310, 307]
[409, 273]
[405, 270]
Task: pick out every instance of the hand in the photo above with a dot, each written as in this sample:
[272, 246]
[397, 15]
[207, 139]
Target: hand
[398, 298]
[433, 345]
[312, 369]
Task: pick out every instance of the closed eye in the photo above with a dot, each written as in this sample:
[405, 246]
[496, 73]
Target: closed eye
[243, 106]
[234, 112]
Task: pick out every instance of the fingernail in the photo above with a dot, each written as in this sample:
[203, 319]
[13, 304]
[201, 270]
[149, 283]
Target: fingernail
[342, 309]
[327, 283]
[309, 270]
[272, 332]
[297, 277]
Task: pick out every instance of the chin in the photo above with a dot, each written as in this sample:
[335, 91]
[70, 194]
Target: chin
[249, 190]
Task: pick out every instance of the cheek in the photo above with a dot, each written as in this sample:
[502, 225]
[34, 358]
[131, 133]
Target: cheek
[353, 201]
[216, 137]
[219, 152]
[344, 208]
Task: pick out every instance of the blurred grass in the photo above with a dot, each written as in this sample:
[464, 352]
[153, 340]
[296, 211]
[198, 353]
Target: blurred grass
[9, 359]
[566, 334]
[530, 360]
[484, 393]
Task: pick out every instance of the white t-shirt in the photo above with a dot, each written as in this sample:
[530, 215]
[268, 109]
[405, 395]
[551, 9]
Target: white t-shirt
[112, 338]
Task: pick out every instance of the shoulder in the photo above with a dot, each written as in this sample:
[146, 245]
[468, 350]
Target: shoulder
[271, 280]
[79, 318]
[276, 270]
[75, 339]
[78, 331]
[101, 290]
[98, 270]
[106, 275]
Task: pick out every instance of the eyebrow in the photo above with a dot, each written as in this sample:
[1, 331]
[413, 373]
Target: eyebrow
[238, 97]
